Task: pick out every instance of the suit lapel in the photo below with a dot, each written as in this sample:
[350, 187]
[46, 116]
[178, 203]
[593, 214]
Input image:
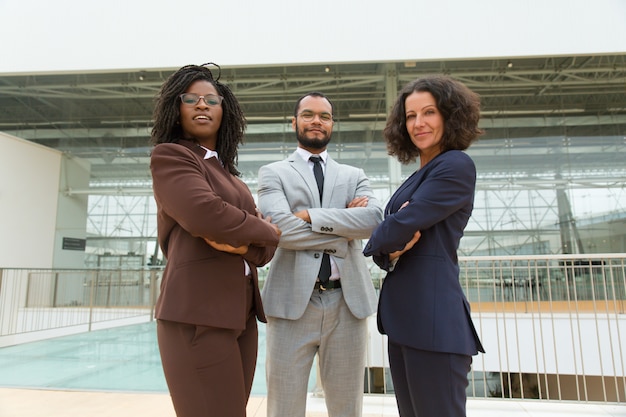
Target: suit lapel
[412, 181]
[330, 178]
[303, 170]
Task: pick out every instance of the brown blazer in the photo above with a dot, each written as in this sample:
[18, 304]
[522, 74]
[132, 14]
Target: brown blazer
[197, 198]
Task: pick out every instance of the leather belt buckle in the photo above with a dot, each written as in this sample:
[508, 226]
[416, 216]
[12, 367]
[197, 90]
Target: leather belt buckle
[330, 285]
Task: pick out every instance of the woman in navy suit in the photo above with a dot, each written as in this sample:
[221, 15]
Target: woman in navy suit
[422, 308]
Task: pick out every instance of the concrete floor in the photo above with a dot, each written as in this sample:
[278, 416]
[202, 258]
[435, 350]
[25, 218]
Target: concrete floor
[47, 403]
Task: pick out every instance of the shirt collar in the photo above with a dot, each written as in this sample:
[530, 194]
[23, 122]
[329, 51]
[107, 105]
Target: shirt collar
[210, 153]
[306, 154]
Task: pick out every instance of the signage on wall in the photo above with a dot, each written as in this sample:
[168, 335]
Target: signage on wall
[72, 243]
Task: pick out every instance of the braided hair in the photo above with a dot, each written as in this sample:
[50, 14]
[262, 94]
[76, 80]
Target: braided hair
[167, 113]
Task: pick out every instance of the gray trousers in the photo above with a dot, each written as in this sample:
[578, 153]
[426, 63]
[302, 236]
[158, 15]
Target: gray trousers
[329, 329]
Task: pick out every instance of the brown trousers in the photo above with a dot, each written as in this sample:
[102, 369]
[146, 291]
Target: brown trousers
[209, 370]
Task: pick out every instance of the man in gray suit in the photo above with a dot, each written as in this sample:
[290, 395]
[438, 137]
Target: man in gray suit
[319, 292]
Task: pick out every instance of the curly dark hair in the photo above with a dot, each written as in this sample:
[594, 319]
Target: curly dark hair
[167, 113]
[459, 107]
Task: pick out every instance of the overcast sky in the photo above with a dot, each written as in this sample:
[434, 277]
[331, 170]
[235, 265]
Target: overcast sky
[73, 35]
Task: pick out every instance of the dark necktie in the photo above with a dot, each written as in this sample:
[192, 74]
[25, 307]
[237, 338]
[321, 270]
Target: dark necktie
[324, 273]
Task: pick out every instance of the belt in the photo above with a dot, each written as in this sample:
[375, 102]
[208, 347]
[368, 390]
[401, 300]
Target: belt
[330, 285]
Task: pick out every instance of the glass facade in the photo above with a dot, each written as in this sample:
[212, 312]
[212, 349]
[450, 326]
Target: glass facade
[551, 171]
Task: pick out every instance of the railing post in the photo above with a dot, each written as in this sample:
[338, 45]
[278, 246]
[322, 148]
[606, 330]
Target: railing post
[94, 278]
[56, 289]
[107, 304]
[141, 285]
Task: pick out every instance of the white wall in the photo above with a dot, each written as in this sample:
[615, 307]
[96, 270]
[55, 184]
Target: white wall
[73, 35]
[71, 212]
[564, 344]
[34, 213]
[29, 188]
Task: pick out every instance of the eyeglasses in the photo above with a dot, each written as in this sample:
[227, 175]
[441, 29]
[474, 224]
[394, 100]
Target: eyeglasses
[308, 116]
[192, 99]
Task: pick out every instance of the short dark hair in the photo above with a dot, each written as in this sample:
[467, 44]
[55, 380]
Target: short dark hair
[166, 114]
[312, 94]
[458, 105]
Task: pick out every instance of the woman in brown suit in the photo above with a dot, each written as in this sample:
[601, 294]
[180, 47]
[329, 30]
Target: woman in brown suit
[213, 238]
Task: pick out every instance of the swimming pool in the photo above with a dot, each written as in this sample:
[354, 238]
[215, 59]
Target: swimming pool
[117, 359]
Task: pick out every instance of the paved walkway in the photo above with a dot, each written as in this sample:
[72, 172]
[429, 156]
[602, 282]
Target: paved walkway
[44, 403]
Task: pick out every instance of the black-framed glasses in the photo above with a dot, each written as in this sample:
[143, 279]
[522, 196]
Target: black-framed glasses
[308, 116]
[192, 99]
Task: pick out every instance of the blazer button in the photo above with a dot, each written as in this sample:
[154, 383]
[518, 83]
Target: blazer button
[317, 255]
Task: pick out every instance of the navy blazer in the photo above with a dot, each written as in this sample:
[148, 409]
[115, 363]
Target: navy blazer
[422, 304]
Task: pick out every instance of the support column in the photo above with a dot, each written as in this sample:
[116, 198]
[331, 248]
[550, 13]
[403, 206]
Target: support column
[391, 93]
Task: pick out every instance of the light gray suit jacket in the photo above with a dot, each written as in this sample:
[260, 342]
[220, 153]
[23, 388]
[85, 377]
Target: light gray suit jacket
[288, 186]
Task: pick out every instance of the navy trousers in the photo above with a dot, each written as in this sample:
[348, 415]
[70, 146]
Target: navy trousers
[429, 384]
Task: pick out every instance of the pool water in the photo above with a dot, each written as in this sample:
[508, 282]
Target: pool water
[118, 359]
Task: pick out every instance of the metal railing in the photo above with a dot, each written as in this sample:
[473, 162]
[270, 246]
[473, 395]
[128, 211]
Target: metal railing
[554, 327]
[37, 303]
